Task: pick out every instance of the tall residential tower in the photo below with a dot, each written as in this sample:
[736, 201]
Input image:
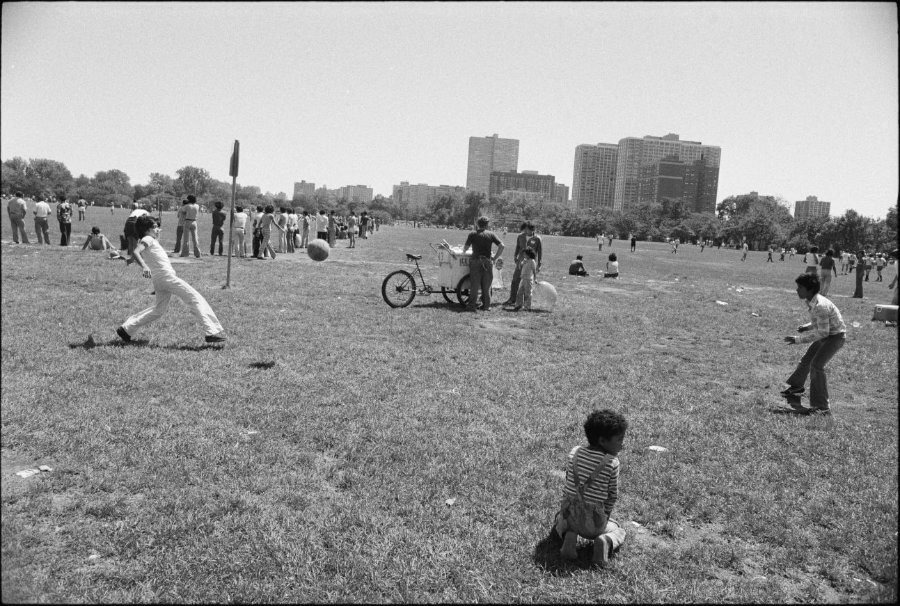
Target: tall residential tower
[487, 155]
[594, 180]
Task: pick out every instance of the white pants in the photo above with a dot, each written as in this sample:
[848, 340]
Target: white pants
[237, 241]
[165, 288]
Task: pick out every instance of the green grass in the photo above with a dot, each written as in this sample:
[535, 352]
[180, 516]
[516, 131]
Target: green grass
[311, 458]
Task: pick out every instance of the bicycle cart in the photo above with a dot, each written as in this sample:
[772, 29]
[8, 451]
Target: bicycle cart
[400, 287]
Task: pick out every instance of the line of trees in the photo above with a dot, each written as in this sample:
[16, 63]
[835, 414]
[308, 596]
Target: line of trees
[761, 221]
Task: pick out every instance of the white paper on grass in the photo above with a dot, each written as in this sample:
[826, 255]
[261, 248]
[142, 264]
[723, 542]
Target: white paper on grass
[658, 448]
[721, 302]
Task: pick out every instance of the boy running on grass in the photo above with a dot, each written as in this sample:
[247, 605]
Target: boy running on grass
[826, 332]
[158, 267]
[596, 470]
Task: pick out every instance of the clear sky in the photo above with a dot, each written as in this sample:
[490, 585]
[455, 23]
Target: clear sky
[801, 97]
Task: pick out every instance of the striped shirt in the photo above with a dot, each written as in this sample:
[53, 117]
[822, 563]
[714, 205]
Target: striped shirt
[605, 487]
[825, 319]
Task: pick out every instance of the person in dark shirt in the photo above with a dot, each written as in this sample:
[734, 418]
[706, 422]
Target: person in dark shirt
[576, 268]
[481, 265]
[218, 228]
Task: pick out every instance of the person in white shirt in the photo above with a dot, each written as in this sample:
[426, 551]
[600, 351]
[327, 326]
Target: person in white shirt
[612, 267]
[292, 230]
[155, 264]
[845, 262]
[41, 225]
[322, 226]
[239, 223]
[190, 228]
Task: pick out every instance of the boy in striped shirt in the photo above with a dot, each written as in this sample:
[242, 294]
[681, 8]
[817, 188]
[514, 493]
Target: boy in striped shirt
[825, 332]
[605, 431]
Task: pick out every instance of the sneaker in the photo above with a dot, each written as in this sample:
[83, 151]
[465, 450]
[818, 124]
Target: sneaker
[219, 338]
[123, 335]
[602, 550]
[793, 391]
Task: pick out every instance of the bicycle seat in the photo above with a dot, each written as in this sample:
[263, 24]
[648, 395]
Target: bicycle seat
[410, 257]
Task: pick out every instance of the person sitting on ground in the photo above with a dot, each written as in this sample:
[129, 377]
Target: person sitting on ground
[98, 241]
[576, 268]
[595, 471]
[612, 267]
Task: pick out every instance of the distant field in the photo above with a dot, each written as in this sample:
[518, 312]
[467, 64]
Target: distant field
[339, 450]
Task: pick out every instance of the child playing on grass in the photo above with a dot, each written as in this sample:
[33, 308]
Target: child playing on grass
[526, 280]
[592, 487]
[165, 283]
[612, 267]
[825, 332]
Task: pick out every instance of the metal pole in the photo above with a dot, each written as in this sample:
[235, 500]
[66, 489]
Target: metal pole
[233, 171]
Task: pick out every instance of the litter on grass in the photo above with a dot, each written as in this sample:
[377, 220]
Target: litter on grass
[855, 324]
[450, 501]
[721, 303]
[27, 473]
[658, 448]
[755, 314]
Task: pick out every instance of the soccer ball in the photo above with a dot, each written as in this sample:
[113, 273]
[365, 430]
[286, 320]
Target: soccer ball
[318, 250]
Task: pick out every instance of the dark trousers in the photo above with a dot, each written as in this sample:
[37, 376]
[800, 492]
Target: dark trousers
[812, 365]
[514, 283]
[322, 235]
[65, 233]
[257, 242]
[481, 274]
[218, 234]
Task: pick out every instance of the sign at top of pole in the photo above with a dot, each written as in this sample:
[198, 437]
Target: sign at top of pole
[233, 171]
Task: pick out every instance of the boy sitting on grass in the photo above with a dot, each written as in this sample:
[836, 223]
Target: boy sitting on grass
[97, 241]
[576, 268]
[592, 487]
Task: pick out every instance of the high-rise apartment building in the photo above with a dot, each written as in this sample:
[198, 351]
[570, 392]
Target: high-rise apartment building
[419, 196]
[528, 181]
[651, 168]
[594, 179]
[304, 189]
[356, 193]
[561, 195]
[811, 208]
[487, 155]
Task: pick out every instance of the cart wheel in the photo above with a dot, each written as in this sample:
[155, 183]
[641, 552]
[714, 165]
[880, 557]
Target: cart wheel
[462, 291]
[447, 292]
[398, 288]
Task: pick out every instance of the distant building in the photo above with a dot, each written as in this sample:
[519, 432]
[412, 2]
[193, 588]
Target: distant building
[811, 208]
[487, 155]
[561, 195]
[528, 181]
[304, 189]
[594, 179]
[649, 168]
[361, 194]
[419, 196]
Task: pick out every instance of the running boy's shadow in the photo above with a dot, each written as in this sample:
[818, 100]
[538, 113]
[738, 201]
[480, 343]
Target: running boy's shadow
[89, 343]
[546, 555]
[787, 411]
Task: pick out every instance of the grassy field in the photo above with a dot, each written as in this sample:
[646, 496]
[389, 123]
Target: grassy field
[336, 449]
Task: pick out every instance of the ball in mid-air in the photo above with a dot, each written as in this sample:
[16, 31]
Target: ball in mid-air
[318, 249]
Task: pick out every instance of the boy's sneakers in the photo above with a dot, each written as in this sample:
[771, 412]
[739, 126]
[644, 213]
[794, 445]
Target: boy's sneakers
[219, 338]
[602, 550]
[793, 391]
[123, 335]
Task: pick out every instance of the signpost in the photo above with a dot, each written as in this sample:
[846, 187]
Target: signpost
[233, 172]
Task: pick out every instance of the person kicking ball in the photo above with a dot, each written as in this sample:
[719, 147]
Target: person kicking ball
[155, 264]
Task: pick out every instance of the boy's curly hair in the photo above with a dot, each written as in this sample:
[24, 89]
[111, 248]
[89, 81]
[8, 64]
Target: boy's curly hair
[144, 224]
[604, 424]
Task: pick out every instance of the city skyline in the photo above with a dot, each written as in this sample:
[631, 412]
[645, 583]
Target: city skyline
[801, 97]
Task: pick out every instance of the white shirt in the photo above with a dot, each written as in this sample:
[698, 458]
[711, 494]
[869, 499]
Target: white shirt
[42, 210]
[322, 222]
[612, 267]
[240, 220]
[137, 212]
[154, 255]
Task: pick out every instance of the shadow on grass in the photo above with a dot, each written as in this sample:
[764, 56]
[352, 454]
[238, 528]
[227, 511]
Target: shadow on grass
[91, 344]
[546, 555]
[779, 410]
[261, 365]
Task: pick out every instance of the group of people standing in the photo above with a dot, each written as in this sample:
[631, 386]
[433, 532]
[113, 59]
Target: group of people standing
[17, 209]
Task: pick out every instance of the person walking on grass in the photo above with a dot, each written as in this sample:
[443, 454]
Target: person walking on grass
[744, 248]
[41, 225]
[190, 228]
[481, 265]
[267, 223]
[612, 267]
[781, 257]
[179, 229]
[218, 229]
[880, 262]
[845, 262]
[812, 261]
[825, 333]
[82, 206]
[769, 259]
[867, 260]
[17, 209]
[352, 229]
[155, 265]
[64, 217]
[633, 242]
[526, 280]
[238, 228]
[592, 489]
[828, 266]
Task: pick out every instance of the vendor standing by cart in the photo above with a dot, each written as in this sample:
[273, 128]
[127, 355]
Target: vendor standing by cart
[481, 265]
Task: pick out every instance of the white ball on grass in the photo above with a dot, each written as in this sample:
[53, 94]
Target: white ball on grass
[543, 295]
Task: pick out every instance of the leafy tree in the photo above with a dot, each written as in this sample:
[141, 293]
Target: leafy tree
[13, 177]
[193, 180]
[48, 177]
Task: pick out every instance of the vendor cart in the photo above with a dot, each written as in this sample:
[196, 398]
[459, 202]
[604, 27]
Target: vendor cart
[401, 287]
